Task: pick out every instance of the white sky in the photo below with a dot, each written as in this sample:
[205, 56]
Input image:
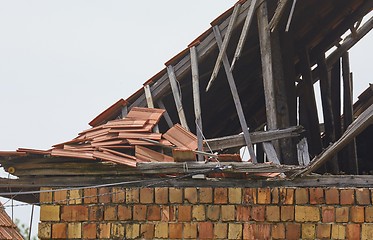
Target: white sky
[64, 62]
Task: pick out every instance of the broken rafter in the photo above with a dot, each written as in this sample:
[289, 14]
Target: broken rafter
[236, 97]
[165, 115]
[149, 101]
[281, 6]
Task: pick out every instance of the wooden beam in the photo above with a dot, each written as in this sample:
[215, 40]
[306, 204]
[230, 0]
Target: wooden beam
[303, 153]
[150, 103]
[165, 114]
[270, 153]
[224, 45]
[236, 97]
[244, 33]
[177, 98]
[124, 111]
[355, 128]
[281, 7]
[196, 99]
[256, 137]
[290, 16]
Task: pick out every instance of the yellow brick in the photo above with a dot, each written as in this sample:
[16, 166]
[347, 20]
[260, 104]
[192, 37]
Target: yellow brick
[308, 231]
[198, 213]
[45, 197]
[338, 231]
[234, 231]
[118, 230]
[175, 195]
[273, 213]
[307, 214]
[264, 195]
[50, 213]
[161, 195]
[234, 195]
[74, 230]
[205, 195]
[45, 230]
[147, 195]
[75, 197]
[190, 195]
[227, 212]
[132, 231]
[220, 231]
[118, 195]
[161, 230]
[367, 231]
[213, 212]
[190, 230]
[132, 195]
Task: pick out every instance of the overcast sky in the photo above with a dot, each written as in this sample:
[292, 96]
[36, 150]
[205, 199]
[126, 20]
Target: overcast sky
[64, 62]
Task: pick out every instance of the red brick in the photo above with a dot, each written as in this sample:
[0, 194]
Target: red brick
[275, 195]
[147, 231]
[119, 195]
[256, 231]
[96, 213]
[124, 212]
[110, 213]
[220, 195]
[104, 195]
[264, 195]
[369, 214]
[190, 195]
[328, 215]
[243, 213]
[323, 231]
[213, 212]
[293, 231]
[278, 231]
[90, 195]
[146, 195]
[154, 213]
[176, 230]
[272, 213]
[301, 195]
[205, 195]
[286, 195]
[161, 195]
[74, 213]
[249, 196]
[258, 213]
[357, 214]
[168, 213]
[341, 214]
[287, 213]
[184, 213]
[59, 230]
[347, 196]
[362, 196]
[139, 212]
[331, 196]
[205, 230]
[317, 196]
[353, 231]
[89, 231]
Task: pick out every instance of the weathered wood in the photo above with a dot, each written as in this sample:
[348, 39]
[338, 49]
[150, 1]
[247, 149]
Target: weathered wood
[177, 97]
[124, 111]
[290, 16]
[256, 137]
[196, 99]
[270, 152]
[150, 103]
[355, 128]
[303, 155]
[244, 33]
[224, 45]
[281, 7]
[165, 114]
[236, 97]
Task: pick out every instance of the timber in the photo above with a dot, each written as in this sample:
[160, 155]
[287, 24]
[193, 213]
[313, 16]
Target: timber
[281, 6]
[165, 114]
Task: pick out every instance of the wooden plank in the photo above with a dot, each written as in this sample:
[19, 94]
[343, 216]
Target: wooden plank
[290, 16]
[177, 98]
[256, 137]
[281, 7]
[165, 115]
[196, 100]
[270, 153]
[355, 128]
[303, 155]
[236, 97]
[124, 111]
[244, 33]
[149, 101]
[224, 45]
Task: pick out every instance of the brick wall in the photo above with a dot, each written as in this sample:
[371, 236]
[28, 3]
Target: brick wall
[205, 213]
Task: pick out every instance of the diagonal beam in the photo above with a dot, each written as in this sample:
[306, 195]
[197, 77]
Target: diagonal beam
[281, 6]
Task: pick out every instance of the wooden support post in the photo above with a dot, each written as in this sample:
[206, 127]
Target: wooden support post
[244, 32]
[224, 45]
[165, 114]
[124, 111]
[236, 97]
[350, 150]
[303, 153]
[290, 16]
[149, 101]
[176, 92]
[196, 99]
[325, 90]
[270, 152]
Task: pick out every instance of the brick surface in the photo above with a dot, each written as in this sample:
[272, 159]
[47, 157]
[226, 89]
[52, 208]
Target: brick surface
[46, 197]
[338, 231]
[90, 195]
[147, 231]
[264, 195]
[161, 195]
[367, 231]
[342, 214]
[347, 196]
[278, 231]
[176, 230]
[275, 195]
[369, 214]
[293, 231]
[234, 231]
[249, 196]
[272, 213]
[328, 214]
[44, 230]
[234, 195]
[213, 212]
[190, 230]
[317, 195]
[287, 213]
[74, 213]
[75, 196]
[307, 214]
[286, 195]
[74, 230]
[353, 231]
[117, 231]
[96, 213]
[89, 231]
[139, 212]
[60, 197]
[153, 213]
[59, 230]
[323, 231]
[161, 230]
[49, 213]
[308, 231]
[301, 195]
[331, 196]
[184, 213]
[220, 230]
[205, 195]
[104, 195]
[110, 213]
[357, 214]
[362, 196]
[190, 195]
[258, 213]
[243, 213]
[256, 231]
[132, 231]
[132, 195]
[205, 230]
[168, 213]
[228, 212]
[198, 212]
[175, 195]
[124, 212]
[119, 195]
[220, 195]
